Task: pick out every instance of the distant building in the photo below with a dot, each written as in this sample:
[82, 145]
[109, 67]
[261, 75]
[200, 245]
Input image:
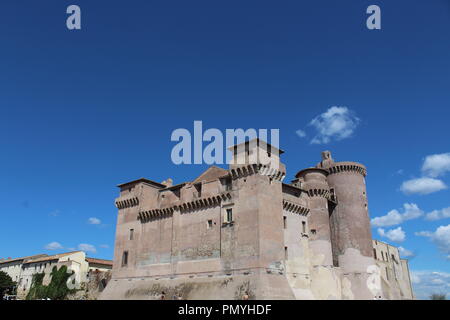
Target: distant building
[13, 267]
[395, 276]
[242, 232]
[22, 270]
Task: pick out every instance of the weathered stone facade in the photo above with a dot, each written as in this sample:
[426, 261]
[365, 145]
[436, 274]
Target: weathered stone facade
[243, 230]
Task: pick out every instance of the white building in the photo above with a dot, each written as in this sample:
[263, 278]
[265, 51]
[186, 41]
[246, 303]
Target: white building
[22, 270]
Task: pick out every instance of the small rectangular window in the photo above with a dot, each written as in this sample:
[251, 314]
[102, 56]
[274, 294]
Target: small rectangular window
[131, 234]
[210, 224]
[125, 259]
[284, 222]
[375, 253]
[286, 253]
[198, 188]
[229, 215]
[303, 226]
[227, 184]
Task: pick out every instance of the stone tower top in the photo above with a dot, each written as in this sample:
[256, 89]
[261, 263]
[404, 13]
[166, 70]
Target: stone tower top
[327, 160]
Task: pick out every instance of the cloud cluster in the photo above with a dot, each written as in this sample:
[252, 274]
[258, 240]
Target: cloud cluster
[438, 214]
[94, 220]
[87, 247]
[434, 166]
[422, 186]
[440, 237]
[301, 133]
[425, 283]
[396, 235]
[53, 246]
[82, 246]
[336, 123]
[394, 217]
[405, 253]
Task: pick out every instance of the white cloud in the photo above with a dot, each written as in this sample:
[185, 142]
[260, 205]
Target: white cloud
[423, 234]
[301, 133]
[438, 214]
[104, 246]
[336, 123]
[393, 217]
[422, 186]
[94, 220]
[436, 165]
[405, 253]
[53, 246]
[440, 237]
[87, 247]
[396, 235]
[425, 283]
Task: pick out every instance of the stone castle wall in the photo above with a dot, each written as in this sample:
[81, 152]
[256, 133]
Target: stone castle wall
[242, 230]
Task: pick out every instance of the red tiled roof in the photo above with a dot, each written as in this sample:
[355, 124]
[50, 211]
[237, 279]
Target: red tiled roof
[53, 257]
[99, 261]
[212, 173]
[24, 258]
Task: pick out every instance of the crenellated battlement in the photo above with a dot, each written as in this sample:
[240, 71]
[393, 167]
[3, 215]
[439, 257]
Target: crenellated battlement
[208, 202]
[251, 169]
[295, 208]
[340, 167]
[122, 203]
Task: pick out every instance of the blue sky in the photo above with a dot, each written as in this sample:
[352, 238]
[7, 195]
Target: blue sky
[81, 111]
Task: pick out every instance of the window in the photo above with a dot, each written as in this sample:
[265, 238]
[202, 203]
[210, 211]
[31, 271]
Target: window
[125, 259]
[285, 253]
[382, 255]
[303, 226]
[226, 184]
[198, 187]
[229, 215]
[284, 222]
[375, 253]
[131, 234]
[210, 224]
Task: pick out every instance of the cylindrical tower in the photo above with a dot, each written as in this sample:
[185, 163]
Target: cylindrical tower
[315, 183]
[350, 223]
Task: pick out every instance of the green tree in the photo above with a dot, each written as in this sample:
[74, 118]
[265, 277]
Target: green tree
[438, 296]
[57, 289]
[6, 284]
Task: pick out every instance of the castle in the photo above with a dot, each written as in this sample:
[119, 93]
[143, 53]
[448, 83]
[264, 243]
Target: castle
[243, 232]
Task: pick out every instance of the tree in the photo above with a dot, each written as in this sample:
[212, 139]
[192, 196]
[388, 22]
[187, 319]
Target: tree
[57, 289]
[438, 296]
[6, 284]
